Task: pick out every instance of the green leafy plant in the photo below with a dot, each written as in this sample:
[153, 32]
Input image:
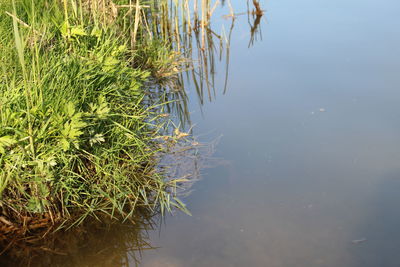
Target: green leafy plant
[77, 134]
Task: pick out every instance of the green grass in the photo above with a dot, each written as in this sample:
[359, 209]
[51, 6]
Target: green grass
[77, 135]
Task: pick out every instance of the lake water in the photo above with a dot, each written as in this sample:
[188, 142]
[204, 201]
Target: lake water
[311, 134]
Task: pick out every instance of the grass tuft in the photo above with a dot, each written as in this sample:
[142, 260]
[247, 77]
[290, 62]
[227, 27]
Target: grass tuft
[77, 138]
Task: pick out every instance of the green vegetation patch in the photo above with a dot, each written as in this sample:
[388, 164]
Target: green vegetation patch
[77, 138]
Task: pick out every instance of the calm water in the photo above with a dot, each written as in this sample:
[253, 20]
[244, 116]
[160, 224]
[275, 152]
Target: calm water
[310, 125]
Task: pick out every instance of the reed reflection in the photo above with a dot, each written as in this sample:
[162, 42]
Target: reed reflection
[105, 243]
[204, 49]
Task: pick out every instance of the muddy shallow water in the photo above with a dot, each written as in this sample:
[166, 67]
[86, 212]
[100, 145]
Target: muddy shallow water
[310, 129]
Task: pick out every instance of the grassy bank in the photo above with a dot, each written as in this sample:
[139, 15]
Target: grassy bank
[78, 136]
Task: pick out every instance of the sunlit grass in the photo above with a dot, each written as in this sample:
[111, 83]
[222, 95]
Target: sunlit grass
[77, 137]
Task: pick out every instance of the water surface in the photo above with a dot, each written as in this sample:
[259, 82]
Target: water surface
[310, 125]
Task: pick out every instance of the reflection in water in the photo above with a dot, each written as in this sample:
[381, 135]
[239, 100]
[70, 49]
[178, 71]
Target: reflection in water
[315, 168]
[205, 49]
[255, 28]
[255, 16]
[97, 242]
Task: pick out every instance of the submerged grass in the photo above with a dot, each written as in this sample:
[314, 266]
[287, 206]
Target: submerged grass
[77, 136]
